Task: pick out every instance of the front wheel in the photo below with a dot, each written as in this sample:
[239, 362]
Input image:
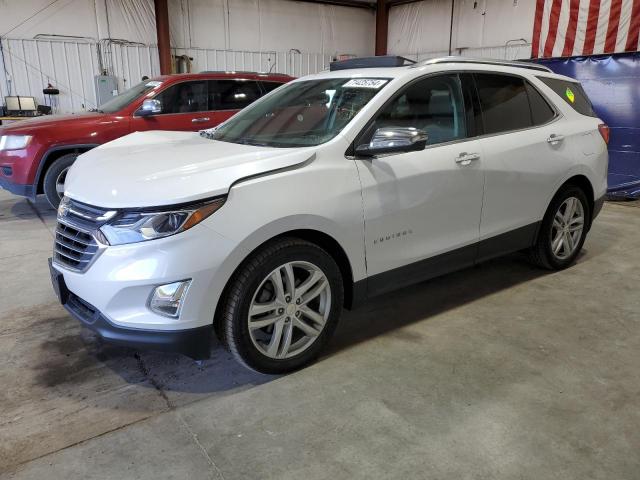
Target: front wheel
[55, 177]
[563, 230]
[282, 306]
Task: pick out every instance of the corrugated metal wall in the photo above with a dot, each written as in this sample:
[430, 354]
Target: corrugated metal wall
[29, 65]
[70, 66]
[506, 52]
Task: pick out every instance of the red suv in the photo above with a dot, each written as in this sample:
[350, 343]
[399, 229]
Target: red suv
[36, 154]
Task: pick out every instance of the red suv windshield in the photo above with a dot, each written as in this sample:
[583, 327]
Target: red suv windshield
[117, 103]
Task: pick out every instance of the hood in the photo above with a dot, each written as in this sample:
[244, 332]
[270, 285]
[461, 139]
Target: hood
[29, 125]
[150, 169]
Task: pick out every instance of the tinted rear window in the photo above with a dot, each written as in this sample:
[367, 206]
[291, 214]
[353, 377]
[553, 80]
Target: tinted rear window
[269, 86]
[572, 93]
[504, 102]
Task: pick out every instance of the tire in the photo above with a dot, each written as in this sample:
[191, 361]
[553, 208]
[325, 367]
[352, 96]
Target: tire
[55, 174]
[548, 252]
[253, 288]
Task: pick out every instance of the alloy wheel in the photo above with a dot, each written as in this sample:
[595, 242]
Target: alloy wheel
[567, 228]
[289, 310]
[60, 179]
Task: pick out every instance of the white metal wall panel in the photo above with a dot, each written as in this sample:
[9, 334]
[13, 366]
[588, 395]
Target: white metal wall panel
[241, 25]
[72, 66]
[509, 52]
[486, 28]
[30, 65]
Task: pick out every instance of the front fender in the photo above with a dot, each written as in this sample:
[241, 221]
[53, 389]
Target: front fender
[280, 227]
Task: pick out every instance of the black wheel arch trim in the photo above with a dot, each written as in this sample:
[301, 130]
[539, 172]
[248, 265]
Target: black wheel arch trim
[57, 148]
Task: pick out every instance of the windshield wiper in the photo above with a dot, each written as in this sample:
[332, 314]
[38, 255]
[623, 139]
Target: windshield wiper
[247, 141]
[207, 134]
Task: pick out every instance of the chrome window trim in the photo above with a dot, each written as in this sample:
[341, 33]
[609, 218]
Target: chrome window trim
[557, 114]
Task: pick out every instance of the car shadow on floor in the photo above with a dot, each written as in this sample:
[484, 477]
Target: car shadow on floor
[380, 316]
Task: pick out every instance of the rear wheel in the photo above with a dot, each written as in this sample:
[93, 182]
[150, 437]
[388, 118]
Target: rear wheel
[282, 306]
[55, 178]
[563, 230]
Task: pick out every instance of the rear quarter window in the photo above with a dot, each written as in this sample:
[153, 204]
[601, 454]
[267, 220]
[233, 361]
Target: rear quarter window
[541, 112]
[572, 93]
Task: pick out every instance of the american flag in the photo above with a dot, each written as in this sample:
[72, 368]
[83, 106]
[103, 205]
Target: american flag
[565, 28]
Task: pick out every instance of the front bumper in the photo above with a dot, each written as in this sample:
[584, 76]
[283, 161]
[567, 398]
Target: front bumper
[16, 188]
[193, 342]
[111, 297]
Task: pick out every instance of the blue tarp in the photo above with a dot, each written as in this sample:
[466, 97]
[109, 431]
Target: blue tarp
[613, 85]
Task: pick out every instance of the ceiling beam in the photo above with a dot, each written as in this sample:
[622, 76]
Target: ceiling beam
[343, 3]
[393, 3]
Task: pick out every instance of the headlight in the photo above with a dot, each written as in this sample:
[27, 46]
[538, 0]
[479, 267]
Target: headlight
[142, 225]
[14, 142]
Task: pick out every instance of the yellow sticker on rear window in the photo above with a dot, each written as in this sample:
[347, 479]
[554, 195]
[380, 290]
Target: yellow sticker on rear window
[570, 95]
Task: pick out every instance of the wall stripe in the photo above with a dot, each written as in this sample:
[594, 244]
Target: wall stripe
[592, 25]
[554, 18]
[570, 38]
[612, 29]
[634, 28]
[537, 27]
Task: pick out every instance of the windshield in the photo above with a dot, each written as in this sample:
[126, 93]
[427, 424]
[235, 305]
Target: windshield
[300, 114]
[125, 98]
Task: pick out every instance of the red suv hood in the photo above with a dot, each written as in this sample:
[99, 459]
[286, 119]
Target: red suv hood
[45, 121]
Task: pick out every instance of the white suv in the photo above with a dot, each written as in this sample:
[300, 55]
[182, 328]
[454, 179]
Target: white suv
[329, 190]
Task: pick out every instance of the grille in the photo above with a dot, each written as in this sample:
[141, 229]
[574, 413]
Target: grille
[75, 246]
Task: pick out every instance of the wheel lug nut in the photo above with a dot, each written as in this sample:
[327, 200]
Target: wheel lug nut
[297, 314]
[297, 301]
[281, 310]
[288, 299]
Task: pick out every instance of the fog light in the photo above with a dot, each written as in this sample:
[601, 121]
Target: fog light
[167, 299]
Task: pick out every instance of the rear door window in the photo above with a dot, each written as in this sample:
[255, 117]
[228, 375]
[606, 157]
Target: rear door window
[572, 93]
[504, 102]
[269, 86]
[233, 94]
[541, 111]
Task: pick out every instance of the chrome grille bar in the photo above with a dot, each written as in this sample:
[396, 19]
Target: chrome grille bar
[75, 247]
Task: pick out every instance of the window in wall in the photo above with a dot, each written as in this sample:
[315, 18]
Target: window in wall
[504, 102]
[184, 97]
[434, 105]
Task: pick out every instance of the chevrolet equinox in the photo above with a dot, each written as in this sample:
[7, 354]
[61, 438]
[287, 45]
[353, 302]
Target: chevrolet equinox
[330, 189]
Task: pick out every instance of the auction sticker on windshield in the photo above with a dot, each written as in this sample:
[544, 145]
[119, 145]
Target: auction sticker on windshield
[374, 83]
[153, 83]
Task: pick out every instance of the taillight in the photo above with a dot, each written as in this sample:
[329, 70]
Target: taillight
[604, 131]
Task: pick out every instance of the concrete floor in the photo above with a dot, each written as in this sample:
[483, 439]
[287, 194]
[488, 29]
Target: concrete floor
[497, 372]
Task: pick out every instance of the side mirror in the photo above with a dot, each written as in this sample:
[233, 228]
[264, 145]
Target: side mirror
[150, 106]
[393, 140]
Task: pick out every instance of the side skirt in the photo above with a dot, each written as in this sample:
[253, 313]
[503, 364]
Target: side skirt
[447, 262]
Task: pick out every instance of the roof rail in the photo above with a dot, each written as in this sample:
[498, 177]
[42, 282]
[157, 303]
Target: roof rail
[370, 62]
[486, 61]
[245, 71]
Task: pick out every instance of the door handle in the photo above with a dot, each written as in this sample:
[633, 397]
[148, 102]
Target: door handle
[200, 120]
[466, 158]
[553, 139]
